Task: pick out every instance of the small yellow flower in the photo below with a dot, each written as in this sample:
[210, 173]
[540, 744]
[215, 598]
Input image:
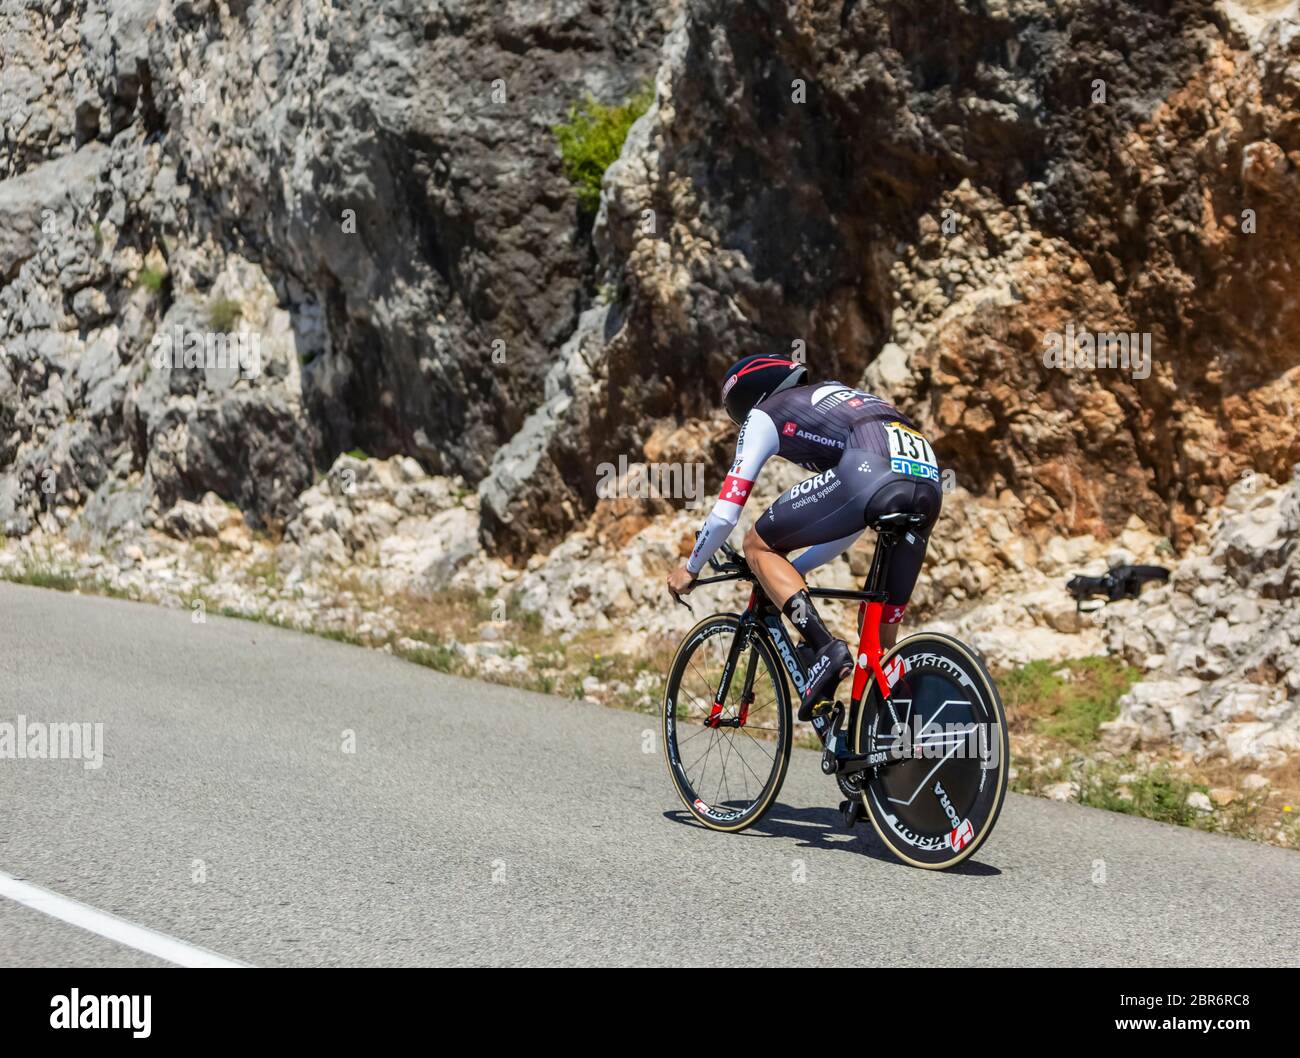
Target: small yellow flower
[1286, 808]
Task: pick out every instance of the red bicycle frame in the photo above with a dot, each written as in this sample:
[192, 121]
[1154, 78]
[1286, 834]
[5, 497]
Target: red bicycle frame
[869, 653]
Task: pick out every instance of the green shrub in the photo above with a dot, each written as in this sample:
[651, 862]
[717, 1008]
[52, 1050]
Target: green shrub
[530, 619]
[1158, 794]
[592, 138]
[44, 578]
[1067, 700]
[222, 314]
[151, 279]
[437, 656]
[341, 635]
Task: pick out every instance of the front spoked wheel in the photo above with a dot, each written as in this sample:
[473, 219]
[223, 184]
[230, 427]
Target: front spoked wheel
[727, 758]
[944, 734]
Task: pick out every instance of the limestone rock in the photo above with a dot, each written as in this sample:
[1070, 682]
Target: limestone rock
[1218, 643]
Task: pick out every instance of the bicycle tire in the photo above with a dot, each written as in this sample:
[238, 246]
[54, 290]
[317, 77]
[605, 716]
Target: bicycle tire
[716, 815]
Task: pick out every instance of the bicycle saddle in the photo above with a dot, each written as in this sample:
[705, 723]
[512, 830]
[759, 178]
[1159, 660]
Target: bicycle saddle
[896, 522]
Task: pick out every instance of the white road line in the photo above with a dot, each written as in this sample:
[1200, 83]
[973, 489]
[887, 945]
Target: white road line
[110, 926]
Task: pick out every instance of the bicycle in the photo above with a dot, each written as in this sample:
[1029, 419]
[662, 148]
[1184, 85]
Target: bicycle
[920, 750]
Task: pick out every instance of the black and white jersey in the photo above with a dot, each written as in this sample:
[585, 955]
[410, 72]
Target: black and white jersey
[811, 426]
[815, 425]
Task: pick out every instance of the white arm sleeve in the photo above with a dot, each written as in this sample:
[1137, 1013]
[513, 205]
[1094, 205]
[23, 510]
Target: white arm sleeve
[820, 554]
[757, 443]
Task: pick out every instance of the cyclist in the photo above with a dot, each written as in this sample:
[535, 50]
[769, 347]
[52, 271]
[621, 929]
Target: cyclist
[870, 460]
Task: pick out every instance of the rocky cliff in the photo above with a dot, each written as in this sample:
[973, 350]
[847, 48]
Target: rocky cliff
[922, 194]
[372, 189]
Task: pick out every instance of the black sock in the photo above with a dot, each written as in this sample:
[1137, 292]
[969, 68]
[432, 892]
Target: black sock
[803, 615]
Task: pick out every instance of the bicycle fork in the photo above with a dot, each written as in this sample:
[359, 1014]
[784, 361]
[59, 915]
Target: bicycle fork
[738, 641]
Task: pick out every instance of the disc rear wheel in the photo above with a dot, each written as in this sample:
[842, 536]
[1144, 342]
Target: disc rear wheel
[945, 734]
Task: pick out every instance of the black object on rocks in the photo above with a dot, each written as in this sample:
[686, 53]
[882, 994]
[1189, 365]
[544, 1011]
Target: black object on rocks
[1119, 582]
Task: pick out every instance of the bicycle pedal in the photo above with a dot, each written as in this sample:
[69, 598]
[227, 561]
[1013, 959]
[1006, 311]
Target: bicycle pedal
[851, 813]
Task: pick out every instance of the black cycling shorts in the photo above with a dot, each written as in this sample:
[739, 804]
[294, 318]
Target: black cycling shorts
[840, 502]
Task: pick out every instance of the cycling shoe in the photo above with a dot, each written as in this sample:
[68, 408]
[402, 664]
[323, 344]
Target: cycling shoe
[824, 675]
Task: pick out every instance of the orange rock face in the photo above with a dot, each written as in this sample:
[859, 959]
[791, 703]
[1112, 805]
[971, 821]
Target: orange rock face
[1058, 235]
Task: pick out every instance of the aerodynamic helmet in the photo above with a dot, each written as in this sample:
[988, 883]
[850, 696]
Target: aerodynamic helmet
[756, 378]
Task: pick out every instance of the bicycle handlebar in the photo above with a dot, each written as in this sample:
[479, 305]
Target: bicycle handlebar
[738, 569]
[730, 574]
[735, 561]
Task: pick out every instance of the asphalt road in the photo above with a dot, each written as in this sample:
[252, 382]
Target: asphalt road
[475, 824]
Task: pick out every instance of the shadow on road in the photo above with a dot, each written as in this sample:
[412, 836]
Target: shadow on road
[823, 828]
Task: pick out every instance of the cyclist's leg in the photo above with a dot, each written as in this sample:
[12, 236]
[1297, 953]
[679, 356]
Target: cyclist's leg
[775, 572]
[835, 506]
[823, 508]
[819, 554]
[907, 495]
